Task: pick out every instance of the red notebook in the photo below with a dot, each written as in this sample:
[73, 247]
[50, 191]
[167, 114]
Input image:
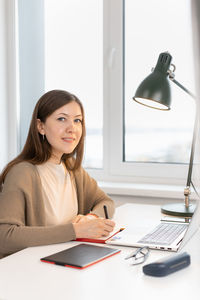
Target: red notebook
[80, 256]
[100, 240]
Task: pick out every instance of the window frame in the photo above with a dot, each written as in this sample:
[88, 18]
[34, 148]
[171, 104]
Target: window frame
[114, 169]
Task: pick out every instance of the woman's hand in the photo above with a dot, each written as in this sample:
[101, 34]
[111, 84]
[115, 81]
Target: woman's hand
[95, 228]
[83, 218]
[78, 218]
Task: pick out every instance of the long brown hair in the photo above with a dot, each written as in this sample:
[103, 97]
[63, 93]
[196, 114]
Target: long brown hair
[36, 150]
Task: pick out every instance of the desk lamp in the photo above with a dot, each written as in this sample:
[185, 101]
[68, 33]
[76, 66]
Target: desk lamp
[154, 92]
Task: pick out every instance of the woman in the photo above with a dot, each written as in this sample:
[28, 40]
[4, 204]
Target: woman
[46, 196]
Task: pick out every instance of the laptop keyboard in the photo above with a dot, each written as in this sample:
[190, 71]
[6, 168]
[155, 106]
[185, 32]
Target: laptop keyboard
[163, 234]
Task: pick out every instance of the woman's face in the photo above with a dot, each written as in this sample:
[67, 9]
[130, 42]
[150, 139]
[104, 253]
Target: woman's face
[63, 129]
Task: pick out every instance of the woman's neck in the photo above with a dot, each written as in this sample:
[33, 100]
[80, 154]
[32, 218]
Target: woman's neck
[55, 160]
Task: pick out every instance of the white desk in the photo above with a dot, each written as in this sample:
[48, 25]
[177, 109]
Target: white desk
[24, 277]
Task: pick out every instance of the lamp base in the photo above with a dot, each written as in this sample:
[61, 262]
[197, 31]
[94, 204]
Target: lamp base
[178, 209]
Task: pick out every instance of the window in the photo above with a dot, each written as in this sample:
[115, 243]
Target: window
[151, 135]
[74, 62]
[156, 145]
[101, 50]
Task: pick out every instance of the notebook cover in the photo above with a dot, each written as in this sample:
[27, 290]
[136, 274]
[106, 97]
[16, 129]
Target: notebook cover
[100, 240]
[80, 256]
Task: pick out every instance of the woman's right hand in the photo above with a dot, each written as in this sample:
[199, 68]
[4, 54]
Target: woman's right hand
[95, 228]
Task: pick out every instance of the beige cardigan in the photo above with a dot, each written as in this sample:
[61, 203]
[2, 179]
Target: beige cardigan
[22, 216]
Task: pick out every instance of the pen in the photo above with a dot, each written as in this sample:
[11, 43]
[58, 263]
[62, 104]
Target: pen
[105, 211]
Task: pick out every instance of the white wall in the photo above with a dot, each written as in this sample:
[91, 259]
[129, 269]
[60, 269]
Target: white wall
[3, 86]
[31, 60]
[9, 116]
[196, 41]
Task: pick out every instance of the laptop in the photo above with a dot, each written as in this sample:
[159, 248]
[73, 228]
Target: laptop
[170, 236]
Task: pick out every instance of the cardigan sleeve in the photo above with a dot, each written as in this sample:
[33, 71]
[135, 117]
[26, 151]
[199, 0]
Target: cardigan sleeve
[22, 221]
[91, 197]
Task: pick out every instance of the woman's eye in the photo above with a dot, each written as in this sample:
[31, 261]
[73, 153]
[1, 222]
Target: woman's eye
[78, 121]
[61, 119]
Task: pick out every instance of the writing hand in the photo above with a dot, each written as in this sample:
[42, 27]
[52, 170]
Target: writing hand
[95, 228]
[83, 218]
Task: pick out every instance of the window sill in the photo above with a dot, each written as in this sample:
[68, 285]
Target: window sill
[143, 190]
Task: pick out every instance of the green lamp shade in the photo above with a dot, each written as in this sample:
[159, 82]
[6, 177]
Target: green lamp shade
[154, 91]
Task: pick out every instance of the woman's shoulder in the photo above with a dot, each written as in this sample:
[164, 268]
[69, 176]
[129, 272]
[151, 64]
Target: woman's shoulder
[22, 169]
[22, 175]
[79, 172]
[24, 165]
[82, 175]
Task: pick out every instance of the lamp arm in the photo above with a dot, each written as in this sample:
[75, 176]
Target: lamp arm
[181, 86]
[189, 176]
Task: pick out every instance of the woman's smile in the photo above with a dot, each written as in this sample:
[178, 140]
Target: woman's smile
[68, 139]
